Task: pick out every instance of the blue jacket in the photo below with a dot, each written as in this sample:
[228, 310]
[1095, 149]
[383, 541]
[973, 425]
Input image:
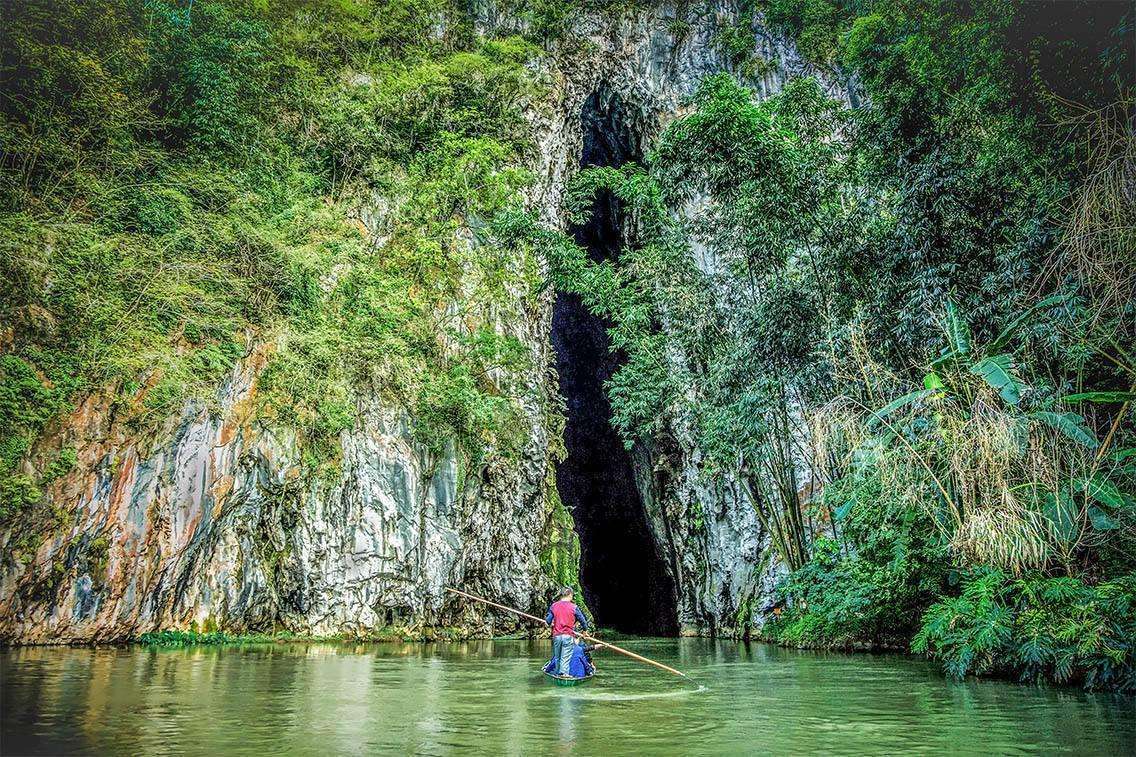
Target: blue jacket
[578, 666]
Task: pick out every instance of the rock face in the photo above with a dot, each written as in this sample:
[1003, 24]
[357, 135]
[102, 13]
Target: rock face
[214, 525]
[212, 520]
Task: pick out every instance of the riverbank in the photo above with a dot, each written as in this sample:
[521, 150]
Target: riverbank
[780, 634]
[176, 638]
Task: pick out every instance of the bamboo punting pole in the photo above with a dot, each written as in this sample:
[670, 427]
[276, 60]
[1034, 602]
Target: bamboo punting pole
[581, 634]
[631, 654]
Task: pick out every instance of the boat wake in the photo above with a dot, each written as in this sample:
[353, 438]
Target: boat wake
[612, 696]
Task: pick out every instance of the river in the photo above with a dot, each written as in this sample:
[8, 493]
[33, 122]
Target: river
[489, 697]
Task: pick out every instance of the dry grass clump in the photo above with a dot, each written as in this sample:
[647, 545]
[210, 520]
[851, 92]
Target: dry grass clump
[999, 483]
[1098, 247]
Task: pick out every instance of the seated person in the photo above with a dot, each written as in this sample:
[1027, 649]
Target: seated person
[580, 663]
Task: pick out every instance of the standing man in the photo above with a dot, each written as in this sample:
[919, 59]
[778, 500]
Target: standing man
[563, 616]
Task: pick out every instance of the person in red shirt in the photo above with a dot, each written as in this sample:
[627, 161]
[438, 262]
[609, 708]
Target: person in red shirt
[563, 616]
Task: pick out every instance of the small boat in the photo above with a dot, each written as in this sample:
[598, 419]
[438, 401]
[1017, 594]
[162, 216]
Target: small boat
[568, 680]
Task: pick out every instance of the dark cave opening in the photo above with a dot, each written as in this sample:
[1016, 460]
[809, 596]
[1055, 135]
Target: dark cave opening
[626, 582]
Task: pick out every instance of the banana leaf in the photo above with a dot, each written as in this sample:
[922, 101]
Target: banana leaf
[997, 371]
[1070, 424]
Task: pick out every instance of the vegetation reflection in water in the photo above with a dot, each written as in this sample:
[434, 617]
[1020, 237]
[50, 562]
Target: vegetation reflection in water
[489, 697]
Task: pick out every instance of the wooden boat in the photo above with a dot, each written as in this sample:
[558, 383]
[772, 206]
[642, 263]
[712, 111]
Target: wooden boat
[568, 680]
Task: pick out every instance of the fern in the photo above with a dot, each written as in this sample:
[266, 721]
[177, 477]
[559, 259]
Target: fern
[1036, 629]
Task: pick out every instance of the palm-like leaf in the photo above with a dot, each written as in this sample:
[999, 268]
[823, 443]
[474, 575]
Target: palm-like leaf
[958, 332]
[1105, 492]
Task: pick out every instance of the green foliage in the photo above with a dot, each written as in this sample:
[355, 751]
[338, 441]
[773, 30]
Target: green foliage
[737, 41]
[813, 23]
[26, 404]
[453, 404]
[199, 189]
[997, 372]
[209, 635]
[1040, 629]
[18, 494]
[207, 638]
[1010, 478]
[560, 551]
[956, 97]
[1069, 424]
[549, 20]
[209, 72]
[61, 465]
[1101, 397]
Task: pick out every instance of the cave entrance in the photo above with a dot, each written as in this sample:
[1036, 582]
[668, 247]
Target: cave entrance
[626, 582]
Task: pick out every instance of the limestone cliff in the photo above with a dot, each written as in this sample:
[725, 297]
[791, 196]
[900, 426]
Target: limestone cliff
[211, 518]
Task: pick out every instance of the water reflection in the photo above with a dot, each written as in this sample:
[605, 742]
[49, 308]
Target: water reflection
[569, 711]
[490, 698]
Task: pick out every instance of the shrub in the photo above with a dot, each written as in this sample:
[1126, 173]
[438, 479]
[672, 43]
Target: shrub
[198, 638]
[869, 588]
[17, 494]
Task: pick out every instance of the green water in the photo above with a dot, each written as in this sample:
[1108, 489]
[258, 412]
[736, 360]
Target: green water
[489, 697]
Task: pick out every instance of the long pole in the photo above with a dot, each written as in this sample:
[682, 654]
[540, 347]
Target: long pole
[581, 634]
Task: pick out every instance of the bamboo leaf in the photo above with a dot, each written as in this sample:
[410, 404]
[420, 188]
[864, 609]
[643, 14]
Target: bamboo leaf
[1008, 333]
[997, 371]
[899, 402]
[1070, 424]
